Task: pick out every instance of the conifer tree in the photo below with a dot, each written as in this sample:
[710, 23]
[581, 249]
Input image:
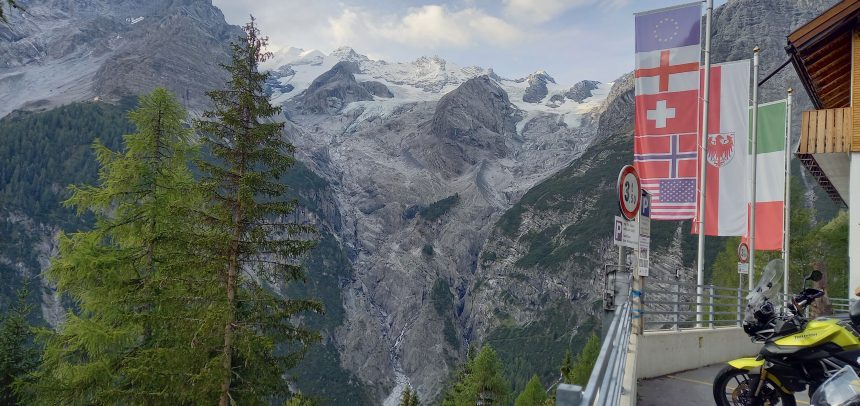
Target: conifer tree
[480, 381]
[253, 242]
[566, 365]
[533, 394]
[131, 276]
[17, 353]
[409, 398]
[585, 362]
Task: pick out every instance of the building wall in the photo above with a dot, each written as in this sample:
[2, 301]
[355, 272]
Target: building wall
[854, 226]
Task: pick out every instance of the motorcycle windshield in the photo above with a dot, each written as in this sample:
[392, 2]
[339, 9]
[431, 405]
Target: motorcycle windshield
[770, 282]
[843, 388]
[769, 285]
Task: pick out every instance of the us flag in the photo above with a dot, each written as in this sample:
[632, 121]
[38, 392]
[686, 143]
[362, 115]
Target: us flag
[665, 149]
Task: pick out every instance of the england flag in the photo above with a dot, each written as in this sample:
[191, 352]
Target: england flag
[666, 122]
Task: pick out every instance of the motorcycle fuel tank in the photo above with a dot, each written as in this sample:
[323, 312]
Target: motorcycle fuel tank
[818, 332]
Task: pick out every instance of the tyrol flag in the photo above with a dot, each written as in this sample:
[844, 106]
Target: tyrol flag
[665, 145]
[727, 179]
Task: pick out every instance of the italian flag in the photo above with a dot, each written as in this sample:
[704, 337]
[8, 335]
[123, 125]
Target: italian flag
[770, 176]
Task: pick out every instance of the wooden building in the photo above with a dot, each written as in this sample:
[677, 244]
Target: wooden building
[825, 53]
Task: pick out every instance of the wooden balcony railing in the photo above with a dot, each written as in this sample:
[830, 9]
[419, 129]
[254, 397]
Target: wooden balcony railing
[825, 131]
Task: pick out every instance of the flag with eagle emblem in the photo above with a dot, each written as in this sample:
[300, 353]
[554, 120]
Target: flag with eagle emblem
[727, 179]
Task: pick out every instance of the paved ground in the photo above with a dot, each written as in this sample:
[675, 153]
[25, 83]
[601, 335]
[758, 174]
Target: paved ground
[686, 388]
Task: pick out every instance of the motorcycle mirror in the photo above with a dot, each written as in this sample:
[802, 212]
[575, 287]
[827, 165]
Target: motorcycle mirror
[815, 276]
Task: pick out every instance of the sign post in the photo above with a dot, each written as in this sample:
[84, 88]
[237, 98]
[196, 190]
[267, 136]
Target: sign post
[629, 191]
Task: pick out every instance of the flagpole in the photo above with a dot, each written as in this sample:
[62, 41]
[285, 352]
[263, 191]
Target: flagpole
[754, 126]
[786, 216]
[700, 259]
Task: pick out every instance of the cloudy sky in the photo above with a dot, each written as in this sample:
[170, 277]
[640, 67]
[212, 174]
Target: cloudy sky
[571, 39]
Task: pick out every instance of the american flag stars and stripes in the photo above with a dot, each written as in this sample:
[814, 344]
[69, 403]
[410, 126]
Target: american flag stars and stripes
[665, 148]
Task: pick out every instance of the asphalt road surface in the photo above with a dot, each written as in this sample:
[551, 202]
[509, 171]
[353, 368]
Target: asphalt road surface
[693, 387]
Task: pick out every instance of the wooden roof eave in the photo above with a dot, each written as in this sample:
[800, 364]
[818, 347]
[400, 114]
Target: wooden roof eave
[800, 68]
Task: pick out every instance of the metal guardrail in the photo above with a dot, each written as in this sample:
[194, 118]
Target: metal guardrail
[604, 384]
[721, 306]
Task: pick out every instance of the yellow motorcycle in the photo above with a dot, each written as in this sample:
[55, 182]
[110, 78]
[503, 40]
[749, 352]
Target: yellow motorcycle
[798, 354]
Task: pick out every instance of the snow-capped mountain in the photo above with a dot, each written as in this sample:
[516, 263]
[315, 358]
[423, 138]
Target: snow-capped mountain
[392, 138]
[429, 78]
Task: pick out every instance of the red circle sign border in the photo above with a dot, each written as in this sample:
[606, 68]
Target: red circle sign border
[626, 170]
[741, 258]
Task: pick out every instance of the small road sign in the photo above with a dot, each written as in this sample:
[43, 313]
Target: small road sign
[743, 253]
[625, 233]
[743, 268]
[629, 192]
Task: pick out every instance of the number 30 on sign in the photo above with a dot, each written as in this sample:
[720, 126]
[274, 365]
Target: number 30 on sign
[629, 192]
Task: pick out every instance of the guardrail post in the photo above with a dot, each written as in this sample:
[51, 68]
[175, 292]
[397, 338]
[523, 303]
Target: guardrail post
[568, 395]
[711, 302]
[676, 309]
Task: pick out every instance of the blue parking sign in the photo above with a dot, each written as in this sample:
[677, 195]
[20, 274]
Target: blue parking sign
[645, 209]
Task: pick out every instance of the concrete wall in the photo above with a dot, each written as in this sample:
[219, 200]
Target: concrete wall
[664, 352]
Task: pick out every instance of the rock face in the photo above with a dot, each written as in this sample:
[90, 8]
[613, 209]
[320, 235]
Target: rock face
[476, 116]
[332, 90]
[377, 89]
[581, 90]
[62, 51]
[537, 89]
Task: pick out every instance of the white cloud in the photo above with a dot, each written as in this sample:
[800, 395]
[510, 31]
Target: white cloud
[430, 26]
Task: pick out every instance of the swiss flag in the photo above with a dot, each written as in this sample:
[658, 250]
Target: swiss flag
[666, 113]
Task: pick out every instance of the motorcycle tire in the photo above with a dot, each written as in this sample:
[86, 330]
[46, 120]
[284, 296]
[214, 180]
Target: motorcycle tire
[733, 387]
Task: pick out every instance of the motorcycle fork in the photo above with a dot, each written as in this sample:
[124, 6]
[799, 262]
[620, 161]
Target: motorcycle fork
[761, 378]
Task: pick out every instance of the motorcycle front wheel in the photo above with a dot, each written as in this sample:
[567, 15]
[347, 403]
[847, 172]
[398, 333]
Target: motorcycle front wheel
[735, 387]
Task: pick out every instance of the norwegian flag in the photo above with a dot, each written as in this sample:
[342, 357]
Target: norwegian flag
[665, 150]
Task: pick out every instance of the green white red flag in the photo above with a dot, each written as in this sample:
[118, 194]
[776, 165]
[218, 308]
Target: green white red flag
[770, 176]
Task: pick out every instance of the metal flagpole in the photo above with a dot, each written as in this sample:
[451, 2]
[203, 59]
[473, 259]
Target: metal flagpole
[700, 259]
[786, 215]
[754, 133]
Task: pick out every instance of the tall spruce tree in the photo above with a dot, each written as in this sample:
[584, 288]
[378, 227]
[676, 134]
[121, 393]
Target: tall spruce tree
[533, 394]
[254, 241]
[18, 355]
[480, 381]
[131, 276]
[584, 363]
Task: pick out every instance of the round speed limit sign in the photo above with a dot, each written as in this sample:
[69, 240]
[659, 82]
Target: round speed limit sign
[743, 253]
[629, 192]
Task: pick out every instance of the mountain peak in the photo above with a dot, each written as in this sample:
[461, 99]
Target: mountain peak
[346, 53]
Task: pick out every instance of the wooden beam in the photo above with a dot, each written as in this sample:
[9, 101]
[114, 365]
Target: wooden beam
[818, 55]
[855, 90]
[840, 97]
[804, 132]
[820, 131]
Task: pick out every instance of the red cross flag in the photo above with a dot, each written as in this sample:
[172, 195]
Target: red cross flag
[667, 105]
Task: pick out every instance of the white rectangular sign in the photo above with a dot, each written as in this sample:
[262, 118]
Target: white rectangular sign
[743, 269]
[625, 233]
[644, 251]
